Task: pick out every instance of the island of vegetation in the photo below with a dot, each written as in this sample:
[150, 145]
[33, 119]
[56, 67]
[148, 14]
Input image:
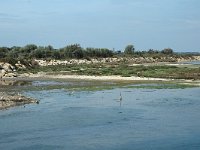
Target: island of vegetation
[76, 62]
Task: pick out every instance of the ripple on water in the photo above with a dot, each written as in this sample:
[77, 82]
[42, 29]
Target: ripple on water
[40, 146]
[147, 119]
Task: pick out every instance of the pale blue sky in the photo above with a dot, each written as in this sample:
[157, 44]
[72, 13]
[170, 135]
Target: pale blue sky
[111, 24]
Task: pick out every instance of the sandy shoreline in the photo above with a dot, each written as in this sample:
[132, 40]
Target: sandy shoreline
[115, 78]
[42, 75]
[100, 78]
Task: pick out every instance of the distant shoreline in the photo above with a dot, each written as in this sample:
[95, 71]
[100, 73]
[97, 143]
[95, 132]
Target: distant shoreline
[91, 77]
[44, 76]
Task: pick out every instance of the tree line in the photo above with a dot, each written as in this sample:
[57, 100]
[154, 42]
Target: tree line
[71, 51]
[32, 51]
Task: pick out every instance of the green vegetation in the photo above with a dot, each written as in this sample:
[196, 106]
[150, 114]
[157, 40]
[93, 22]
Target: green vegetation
[72, 85]
[125, 70]
[168, 51]
[102, 86]
[129, 50]
[32, 51]
[166, 85]
[28, 53]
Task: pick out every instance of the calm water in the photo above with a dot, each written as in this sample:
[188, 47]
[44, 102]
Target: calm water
[191, 62]
[146, 119]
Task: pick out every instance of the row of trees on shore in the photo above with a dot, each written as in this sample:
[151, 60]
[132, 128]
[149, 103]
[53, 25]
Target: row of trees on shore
[72, 51]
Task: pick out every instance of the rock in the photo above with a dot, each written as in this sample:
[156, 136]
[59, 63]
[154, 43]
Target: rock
[20, 66]
[7, 70]
[10, 75]
[3, 71]
[13, 99]
[8, 67]
[1, 75]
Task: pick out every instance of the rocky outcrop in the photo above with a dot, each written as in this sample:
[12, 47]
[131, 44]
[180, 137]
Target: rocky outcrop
[7, 70]
[197, 58]
[132, 60]
[19, 65]
[11, 100]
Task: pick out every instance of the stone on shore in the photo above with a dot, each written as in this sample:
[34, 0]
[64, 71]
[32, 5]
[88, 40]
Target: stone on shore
[7, 70]
[12, 99]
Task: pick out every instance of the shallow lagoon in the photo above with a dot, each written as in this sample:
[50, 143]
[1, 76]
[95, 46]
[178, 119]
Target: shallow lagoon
[145, 119]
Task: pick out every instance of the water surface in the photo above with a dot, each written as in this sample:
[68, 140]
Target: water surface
[191, 62]
[96, 120]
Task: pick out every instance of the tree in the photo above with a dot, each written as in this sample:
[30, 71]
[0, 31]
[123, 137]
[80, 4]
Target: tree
[72, 51]
[30, 47]
[129, 49]
[152, 51]
[56, 54]
[3, 51]
[78, 53]
[49, 48]
[39, 53]
[167, 51]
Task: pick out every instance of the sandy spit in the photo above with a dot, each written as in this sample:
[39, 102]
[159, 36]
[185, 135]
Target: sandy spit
[103, 78]
[43, 75]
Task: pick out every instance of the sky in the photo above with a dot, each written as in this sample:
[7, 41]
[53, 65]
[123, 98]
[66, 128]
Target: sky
[113, 24]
